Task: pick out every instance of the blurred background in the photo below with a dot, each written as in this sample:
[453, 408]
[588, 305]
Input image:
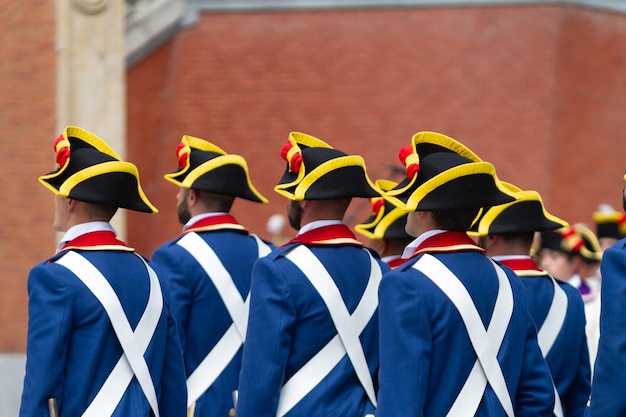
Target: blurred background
[536, 87]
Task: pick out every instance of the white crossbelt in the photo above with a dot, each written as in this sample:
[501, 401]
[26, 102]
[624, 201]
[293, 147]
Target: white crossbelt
[486, 343]
[349, 328]
[134, 344]
[550, 329]
[229, 344]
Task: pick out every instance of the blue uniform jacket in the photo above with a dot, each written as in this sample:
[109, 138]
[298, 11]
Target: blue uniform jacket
[568, 359]
[72, 348]
[200, 313]
[609, 378]
[289, 323]
[425, 351]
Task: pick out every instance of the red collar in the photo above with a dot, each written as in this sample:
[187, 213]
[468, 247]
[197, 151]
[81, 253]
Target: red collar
[396, 262]
[449, 241]
[221, 221]
[336, 234]
[517, 265]
[100, 240]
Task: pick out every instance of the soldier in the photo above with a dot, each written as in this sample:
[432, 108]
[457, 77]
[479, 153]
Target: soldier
[101, 339]
[456, 336]
[312, 343]
[506, 232]
[385, 228]
[573, 254]
[209, 267]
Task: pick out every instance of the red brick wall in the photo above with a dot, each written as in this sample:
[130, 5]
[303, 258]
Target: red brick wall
[538, 91]
[27, 130]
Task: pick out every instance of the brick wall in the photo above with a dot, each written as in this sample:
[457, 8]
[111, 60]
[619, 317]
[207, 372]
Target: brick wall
[27, 130]
[538, 91]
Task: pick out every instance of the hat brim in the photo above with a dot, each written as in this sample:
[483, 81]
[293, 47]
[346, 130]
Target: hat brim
[225, 174]
[466, 186]
[527, 214]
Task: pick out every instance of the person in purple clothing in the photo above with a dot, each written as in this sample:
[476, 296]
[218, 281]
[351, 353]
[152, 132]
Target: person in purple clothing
[101, 339]
[208, 269]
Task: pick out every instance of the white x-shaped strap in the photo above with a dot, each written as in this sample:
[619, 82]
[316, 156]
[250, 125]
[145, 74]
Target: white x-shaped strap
[486, 343]
[550, 329]
[134, 344]
[227, 347]
[349, 328]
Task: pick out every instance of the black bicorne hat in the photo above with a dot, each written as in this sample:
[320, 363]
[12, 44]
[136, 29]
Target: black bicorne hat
[524, 215]
[386, 221]
[90, 171]
[316, 171]
[443, 174]
[610, 223]
[204, 166]
[574, 239]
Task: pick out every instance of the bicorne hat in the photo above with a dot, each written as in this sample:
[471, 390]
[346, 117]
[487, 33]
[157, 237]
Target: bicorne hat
[89, 170]
[317, 171]
[526, 214]
[203, 166]
[575, 239]
[443, 174]
[386, 221]
[609, 222]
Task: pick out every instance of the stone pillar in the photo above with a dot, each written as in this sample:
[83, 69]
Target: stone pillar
[91, 72]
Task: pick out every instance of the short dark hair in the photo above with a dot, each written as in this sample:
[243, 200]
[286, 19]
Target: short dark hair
[101, 211]
[455, 219]
[525, 238]
[216, 202]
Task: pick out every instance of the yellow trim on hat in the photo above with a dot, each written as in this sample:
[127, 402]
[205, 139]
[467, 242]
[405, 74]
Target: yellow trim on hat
[445, 142]
[201, 144]
[110, 167]
[606, 216]
[90, 138]
[217, 162]
[470, 168]
[492, 213]
[591, 238]
[435, 139]
[384, 218]
[326, 167]
[363, 228]
[296, 139]
[85, 136]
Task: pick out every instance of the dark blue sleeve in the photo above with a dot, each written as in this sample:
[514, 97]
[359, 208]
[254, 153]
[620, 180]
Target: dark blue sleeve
[405, 347]
[176, 276]
[268, 341]
[609, 379]
[49, 328]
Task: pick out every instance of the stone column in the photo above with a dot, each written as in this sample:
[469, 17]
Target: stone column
[91, 72]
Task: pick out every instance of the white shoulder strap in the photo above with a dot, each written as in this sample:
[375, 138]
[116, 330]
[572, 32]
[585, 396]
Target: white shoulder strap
[550, 329]
[486, 343]
[227, 347]
[349, 328]
[134, 344]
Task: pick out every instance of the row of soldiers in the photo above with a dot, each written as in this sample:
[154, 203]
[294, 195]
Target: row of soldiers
[444, 312]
